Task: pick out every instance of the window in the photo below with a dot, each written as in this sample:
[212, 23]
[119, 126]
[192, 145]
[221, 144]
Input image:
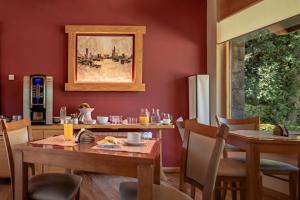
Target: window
[265, 77]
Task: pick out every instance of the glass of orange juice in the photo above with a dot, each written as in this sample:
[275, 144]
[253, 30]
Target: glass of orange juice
[68, 132]
[144, 120]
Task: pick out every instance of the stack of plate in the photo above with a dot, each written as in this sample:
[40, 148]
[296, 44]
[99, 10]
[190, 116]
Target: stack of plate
[85, 138]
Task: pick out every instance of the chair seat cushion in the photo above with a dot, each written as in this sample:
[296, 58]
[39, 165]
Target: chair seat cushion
[128, 191]
[273, 165]
[53, 186]
[232, 167]
[229, 147]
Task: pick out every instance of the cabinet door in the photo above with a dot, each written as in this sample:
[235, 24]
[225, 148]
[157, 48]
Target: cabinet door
[47, 168]
[4, 169]
[50, 133]
[37, 134]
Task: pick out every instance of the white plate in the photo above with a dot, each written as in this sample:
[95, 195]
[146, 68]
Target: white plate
[107, 145]
[134, 143]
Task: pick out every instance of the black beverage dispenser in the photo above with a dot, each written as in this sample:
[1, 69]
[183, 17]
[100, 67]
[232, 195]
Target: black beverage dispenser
[38, 99]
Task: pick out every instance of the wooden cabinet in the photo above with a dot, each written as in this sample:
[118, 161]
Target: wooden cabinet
[4, 169]
[52, 169]
[37, 134]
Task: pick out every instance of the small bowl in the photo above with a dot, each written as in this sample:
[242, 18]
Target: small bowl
[102, 119]
[56, 120]
[91, 122]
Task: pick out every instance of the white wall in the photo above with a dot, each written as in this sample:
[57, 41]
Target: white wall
[262, 14]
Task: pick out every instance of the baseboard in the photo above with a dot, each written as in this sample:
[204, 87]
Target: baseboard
[274, 194]
[171, 169]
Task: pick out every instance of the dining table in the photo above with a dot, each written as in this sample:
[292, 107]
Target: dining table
[255, 142]
[87, 157]
[159, 128]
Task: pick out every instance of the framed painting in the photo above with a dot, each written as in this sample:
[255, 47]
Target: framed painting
[105, 58]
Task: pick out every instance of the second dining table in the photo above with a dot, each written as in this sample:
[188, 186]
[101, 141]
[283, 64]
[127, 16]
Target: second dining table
[143, 166]
[255, 142]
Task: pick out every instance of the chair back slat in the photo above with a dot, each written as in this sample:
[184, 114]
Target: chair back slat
[202, 149]
[239, 124]
[15, 133]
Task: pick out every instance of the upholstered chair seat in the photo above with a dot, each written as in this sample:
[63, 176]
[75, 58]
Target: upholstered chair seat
[128, 191]
[272, 165]
[232, 148]
[53, 186]
[231, 168]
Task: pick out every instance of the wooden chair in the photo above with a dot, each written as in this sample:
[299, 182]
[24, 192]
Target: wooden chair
[268, 167]
[41, 187]
[237, 124]
[197, 162]
[180, 127]
[203, 177]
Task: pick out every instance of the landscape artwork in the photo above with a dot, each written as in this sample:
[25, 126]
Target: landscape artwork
[104, 59]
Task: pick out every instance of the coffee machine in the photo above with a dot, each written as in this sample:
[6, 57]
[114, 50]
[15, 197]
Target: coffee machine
[38, 99]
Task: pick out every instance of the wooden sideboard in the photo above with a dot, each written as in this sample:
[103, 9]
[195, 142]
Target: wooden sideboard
[45, 131]
[38, 133]
[4, 170]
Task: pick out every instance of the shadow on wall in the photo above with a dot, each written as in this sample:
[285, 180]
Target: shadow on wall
[185, 18]
[181, 96]
[181, 16]
[2, 75]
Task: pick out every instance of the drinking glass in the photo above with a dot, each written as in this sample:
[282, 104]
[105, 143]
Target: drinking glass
[68, 130]
[167, 118]
[63, 114]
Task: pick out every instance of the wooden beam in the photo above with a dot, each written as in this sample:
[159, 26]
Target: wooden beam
[230, 7]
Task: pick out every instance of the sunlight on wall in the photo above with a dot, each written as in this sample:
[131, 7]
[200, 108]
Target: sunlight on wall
[259, 15]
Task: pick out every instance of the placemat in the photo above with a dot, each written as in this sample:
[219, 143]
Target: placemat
[146, 148]
[56, 140]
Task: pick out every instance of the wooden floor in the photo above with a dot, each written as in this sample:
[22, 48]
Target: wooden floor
[99, 187]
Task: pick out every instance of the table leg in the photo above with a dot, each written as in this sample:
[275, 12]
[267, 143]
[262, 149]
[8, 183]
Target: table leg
[157, 171]
[20, 177]
[253, 173]
[162, 173]
[298, 176]
[145, 182]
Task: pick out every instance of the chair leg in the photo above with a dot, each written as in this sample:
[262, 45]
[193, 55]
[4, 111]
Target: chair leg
[218, 190]
[293, 179]
[182, 186]
[225, 154]
[233, 192]
[32, 167]
[242, 190]
[77, 197]
[193, 191]
[224, 190]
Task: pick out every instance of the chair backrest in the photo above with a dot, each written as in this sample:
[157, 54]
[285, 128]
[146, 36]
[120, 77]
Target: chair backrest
[239, 124]
[201, 153]
[15, 133]
[180, 126]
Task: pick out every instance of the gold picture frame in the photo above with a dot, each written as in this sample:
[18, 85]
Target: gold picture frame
[86, 60]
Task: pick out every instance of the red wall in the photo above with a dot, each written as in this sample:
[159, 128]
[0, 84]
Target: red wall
[32, 40]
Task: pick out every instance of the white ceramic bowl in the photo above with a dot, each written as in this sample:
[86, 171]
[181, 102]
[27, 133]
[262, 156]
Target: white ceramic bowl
[102, 119]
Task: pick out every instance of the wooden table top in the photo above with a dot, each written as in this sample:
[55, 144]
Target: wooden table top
[104, 126]
[85, 149]
[255, 136]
